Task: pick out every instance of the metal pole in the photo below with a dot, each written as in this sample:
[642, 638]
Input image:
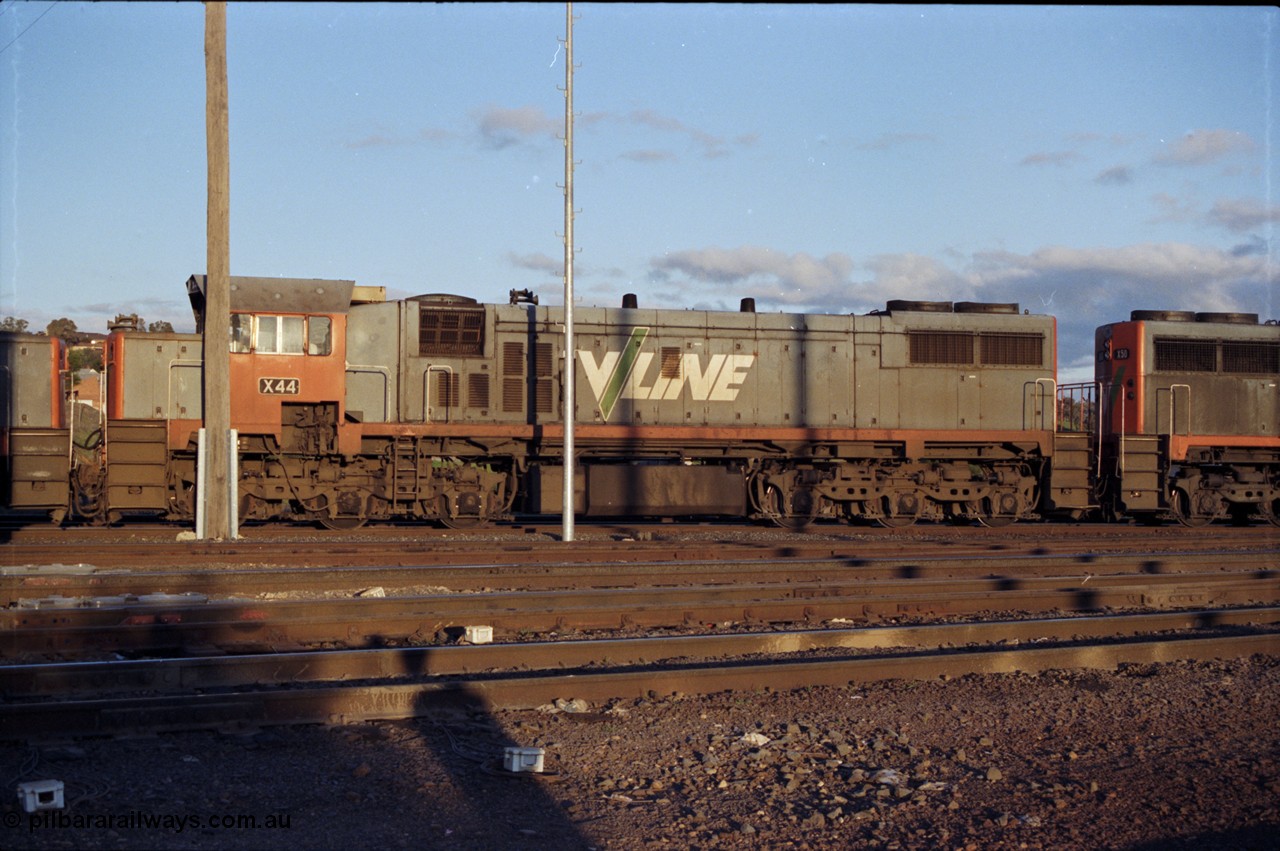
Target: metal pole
[570, 354]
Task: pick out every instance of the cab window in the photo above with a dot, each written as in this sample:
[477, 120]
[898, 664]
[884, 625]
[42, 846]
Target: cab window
[241, 332]
[281, 335]
[319, 340]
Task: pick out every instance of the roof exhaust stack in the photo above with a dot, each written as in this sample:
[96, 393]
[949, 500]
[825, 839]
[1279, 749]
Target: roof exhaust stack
[748, 305]
[629, 301]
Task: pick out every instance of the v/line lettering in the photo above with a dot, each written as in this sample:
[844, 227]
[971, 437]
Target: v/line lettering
[629, 374]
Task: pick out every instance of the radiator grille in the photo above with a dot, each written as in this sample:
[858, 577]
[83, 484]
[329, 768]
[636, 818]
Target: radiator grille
[1252, 358]
[1005, 349]
[451, 332]
[1186, 356]
[940, 347]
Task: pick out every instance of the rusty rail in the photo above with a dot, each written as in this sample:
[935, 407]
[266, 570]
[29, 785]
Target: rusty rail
[362, 702]
[32, 582]
[374, 622]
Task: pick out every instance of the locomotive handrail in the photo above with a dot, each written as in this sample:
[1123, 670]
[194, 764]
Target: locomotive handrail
[1123, 421]
[1091, 419]
[426, 390]
[1097, 424]
[1039, 396]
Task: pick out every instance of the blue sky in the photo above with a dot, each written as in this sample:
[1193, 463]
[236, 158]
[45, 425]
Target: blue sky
[1083, 162]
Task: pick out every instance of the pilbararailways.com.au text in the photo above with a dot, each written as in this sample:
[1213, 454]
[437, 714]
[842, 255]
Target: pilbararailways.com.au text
[139, 820]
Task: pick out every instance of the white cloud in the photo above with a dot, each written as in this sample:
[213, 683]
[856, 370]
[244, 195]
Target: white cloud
[502, 127]
[1058, 158]
[1242, 214]
[889, 141]
[1119, 175]
[536, 262]
[790, 279]
[1203, 147]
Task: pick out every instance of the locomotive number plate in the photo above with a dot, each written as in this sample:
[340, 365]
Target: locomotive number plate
[278, 386]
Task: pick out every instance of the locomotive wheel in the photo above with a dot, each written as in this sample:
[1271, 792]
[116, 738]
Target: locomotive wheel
[780, 516]
[998, 511]
[1271, 512]
[900, 512]
[1198, 511]
[462, 510]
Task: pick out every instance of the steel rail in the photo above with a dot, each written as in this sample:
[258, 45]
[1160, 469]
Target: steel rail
[62, 679]
[374, 621]
[339, 704]
[123, 549]
[31, 582]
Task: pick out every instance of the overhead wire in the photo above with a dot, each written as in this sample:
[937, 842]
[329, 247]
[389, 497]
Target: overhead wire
[47, 10]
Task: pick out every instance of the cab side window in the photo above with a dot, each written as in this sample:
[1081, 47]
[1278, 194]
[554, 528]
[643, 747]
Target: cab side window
[241, 332]
[319, 339]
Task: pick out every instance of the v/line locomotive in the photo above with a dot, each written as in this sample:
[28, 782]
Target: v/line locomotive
[350, 408]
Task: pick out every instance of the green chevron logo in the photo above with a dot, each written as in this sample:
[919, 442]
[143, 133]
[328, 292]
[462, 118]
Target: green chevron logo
[609, 377]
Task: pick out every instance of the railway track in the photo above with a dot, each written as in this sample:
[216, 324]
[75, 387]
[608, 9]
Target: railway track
[239, 627]
[478, 569]
[156, 548]
[120, 697]
[174, 624]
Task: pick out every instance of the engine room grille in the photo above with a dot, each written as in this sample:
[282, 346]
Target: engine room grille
[512, 378]
[1005, 349]
[448, 390]
[477, 390]
[542, 373]
[936, 347]
[1254, 358]
[670, 362]
[453, 331]
[1186, 356]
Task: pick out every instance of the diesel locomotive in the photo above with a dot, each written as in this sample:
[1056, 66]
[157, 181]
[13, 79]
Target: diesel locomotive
[350, 408]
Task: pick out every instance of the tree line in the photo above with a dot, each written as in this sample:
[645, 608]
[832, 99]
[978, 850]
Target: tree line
[79, 355]
[66, 330]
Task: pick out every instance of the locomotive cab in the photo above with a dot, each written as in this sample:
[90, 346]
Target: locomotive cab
[1191, 415]
[287, 360]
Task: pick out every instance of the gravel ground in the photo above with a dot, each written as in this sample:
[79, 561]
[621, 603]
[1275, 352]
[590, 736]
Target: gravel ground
[1148, 757]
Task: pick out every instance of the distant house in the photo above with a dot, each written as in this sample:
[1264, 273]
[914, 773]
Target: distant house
[86, 386]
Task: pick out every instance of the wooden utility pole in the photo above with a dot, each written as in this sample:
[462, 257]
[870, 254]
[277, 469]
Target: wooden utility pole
[570, 356]
[217, 316]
